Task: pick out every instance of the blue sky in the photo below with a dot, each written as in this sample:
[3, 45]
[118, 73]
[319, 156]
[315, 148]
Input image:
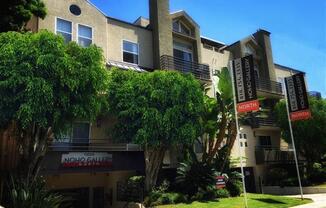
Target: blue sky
[298, 27]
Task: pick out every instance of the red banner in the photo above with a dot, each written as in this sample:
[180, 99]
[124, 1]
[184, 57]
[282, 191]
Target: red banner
[300, 115]
[252, 105]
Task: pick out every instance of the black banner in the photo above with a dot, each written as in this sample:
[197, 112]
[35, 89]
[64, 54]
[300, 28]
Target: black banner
[296, 93]
[244, 79]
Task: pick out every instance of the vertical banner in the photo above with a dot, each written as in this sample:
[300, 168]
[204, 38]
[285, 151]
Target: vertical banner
[298, 105]
[245, 84]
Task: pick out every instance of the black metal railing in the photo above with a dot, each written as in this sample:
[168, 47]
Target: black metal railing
[269, 86]
[200, 71]
[92, 145]
[274, 155]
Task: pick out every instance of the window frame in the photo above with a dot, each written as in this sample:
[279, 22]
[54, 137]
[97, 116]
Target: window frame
[138, 54]
[178, 46]
[77, 33]
[56, 30]
[179, 22]
[89, 131]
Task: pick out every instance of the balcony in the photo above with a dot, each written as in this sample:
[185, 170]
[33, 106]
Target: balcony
[200, 71]
[93, 145]
[275, 155]
[269, 86]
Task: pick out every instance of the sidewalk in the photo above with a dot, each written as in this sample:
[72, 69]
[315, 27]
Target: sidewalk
[319, 200]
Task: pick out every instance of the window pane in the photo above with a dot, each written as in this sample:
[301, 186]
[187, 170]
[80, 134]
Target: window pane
[129, 57]
[85, 31]
[84, 42]
[66, 36]
[64, 25]
[130, 47]
[184, 29]
[176, 26]
[80, 132]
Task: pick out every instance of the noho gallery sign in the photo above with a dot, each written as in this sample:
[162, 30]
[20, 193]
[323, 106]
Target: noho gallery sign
[86, 159]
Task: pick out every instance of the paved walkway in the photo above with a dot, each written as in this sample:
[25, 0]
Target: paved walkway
[319, 201]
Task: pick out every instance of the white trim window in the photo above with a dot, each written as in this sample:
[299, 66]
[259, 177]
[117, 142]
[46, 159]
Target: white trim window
[85, 35]
[130, 52]
[64, 28]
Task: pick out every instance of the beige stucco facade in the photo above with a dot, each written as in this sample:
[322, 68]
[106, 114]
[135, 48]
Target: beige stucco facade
[90, 16]
[119, 31]
[154, 40]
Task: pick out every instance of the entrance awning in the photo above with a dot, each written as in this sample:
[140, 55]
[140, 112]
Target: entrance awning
[123, 65]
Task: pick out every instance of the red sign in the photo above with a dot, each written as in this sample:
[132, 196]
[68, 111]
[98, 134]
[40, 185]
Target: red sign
[252, 105]
[300, 115]
[86, 159]
[220, 182]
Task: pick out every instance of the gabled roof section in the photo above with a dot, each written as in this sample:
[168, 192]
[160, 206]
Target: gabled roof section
[184, 14]
[286, 68]
[93, 5]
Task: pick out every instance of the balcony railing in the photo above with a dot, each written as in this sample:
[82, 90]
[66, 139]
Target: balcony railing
[93, 145]
[200, 71]
[269, 86]
[263, 122]
[274, 155]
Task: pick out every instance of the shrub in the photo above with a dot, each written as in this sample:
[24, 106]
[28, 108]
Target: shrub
[156, 198]
[234, 187]
[222, 193]
[31, 192]
[317, 174]
[276, 175]
[193, 176]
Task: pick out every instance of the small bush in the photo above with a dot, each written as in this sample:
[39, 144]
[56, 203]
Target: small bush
[276, 175]
[318, 173]
[234, 187]
[156, 198]
[222, 193]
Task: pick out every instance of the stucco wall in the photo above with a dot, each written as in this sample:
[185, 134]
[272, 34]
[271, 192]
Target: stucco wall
[215, 60]
[119, 31]
[89, 16]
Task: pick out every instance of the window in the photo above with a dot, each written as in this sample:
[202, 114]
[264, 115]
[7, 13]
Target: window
[281, 80]
[241, 144]
[178, 26]
[130, 52]
[246, 144]
[245, 136]
[85, 35]
[182, 51]
[64, 28]
[74, 9]
[265, 141]
[80, 132]
[240, 136]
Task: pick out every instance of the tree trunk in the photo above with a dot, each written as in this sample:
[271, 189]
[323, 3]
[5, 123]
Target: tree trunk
[218, 140]
[153, 162]
[232, 129]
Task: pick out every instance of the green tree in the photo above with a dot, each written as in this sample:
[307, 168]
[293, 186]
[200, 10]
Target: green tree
[219, 121]
[309, 135]
[14, 14]
[44, 84]
[155, 110]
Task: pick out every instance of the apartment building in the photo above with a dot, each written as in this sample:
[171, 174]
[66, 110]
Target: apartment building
[87, 162]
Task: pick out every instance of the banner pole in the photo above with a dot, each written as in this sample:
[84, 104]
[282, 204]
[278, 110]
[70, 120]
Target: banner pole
[292, 139]
[238, 132]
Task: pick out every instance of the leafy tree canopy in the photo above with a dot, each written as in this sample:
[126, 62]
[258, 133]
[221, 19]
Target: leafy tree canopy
[45, 82]
[14, 14]
[155, 109]
[309, 135]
